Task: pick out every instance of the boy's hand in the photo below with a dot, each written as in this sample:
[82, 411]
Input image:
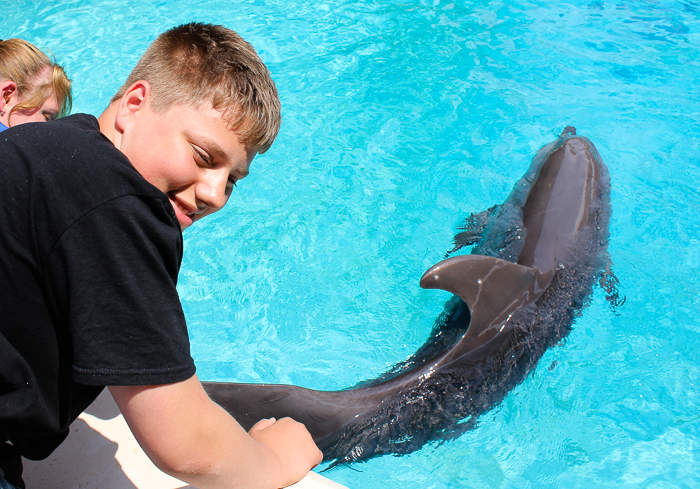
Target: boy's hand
[292, 444]
[209, 449]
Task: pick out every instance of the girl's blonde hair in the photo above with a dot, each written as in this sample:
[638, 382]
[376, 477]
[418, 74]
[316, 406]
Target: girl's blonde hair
[24, 64]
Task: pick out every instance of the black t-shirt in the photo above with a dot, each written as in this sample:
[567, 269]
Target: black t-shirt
[89, 257]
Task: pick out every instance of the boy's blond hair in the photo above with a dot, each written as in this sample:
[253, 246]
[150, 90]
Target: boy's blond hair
[196, 64]
[25, 64]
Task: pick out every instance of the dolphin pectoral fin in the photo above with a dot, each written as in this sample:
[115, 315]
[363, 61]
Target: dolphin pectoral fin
[492, 288]
[473, 229]
[609, 283]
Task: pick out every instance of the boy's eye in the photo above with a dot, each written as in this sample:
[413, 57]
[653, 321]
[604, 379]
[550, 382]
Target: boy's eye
[232, 181]
[203, 157]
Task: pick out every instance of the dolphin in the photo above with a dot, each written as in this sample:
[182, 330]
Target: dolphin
[533, 263]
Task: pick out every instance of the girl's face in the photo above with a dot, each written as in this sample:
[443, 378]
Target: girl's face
[9, 97]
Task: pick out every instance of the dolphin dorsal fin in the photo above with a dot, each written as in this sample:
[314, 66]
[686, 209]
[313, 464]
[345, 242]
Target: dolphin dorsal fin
[492, 288]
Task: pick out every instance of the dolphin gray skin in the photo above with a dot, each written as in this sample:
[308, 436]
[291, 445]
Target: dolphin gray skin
[533, 265]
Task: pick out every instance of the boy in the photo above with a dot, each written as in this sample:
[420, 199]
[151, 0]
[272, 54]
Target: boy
[90, 248]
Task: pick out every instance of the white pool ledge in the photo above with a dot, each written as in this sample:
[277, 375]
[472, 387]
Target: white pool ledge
[101, 452]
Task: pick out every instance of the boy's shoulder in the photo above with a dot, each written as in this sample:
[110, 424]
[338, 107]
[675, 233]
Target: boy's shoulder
[71, 152]
[66, 169]
[57, 143]
[37, 133]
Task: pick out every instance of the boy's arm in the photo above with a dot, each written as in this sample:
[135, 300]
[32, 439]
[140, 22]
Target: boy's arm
[192, 438]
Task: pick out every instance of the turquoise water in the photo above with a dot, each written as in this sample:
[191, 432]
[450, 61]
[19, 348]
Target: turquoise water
[400, 119]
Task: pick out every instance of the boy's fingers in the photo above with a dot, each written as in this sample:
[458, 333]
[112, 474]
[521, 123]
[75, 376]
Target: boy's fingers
[292, 442]
[262, 424]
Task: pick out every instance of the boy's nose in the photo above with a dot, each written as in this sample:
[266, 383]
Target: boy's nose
[212, 191]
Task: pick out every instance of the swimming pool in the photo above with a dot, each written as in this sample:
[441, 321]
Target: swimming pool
[400, 119]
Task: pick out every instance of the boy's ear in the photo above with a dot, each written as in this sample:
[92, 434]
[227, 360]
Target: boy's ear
[134, 99]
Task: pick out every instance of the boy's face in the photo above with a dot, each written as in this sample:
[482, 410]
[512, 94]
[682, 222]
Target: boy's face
[188, 153]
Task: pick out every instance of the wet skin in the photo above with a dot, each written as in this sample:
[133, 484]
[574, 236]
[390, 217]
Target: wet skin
[536, 259]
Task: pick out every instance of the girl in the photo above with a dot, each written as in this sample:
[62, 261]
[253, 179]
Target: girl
[32, 87]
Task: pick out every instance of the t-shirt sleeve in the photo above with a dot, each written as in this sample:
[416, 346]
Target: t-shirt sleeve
[113, 275]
